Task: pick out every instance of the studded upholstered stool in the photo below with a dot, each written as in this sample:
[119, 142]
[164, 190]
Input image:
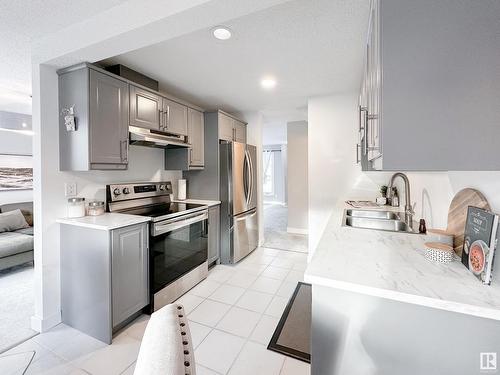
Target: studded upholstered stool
[166, 348]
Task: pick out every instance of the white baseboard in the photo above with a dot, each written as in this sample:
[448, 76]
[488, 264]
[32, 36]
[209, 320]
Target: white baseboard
[43, 325]
[297, 230]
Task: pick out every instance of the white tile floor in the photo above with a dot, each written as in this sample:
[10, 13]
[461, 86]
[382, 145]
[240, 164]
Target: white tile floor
[232, 314]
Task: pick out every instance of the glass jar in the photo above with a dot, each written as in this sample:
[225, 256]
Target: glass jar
[76, 207]
[95, 208]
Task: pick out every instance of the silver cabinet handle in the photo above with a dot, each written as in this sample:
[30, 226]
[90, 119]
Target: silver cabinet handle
[358, 146]
[167, 125]
[161, 118]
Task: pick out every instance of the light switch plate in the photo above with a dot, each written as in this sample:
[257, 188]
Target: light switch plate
[70, 189]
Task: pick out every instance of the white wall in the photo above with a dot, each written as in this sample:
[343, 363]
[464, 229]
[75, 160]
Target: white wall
[334, 176]
[298, 206]
[16, 143]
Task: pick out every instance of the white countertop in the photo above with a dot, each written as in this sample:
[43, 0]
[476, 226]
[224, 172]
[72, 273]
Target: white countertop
[107, 221]
[392, 265]
[199, 201]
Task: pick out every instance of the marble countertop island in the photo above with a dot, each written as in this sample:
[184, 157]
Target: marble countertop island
[393, 266]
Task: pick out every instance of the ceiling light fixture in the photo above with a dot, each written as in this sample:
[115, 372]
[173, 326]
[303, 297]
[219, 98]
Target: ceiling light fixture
[222, 33]
[268, 83]
[24, 125]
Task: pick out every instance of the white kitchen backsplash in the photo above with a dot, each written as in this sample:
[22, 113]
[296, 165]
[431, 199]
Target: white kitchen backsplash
[145, 164]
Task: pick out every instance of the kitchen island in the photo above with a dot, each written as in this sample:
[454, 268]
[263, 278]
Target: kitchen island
[377, 302]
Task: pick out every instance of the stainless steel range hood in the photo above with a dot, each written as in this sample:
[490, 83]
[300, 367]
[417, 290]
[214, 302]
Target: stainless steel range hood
[152, 138]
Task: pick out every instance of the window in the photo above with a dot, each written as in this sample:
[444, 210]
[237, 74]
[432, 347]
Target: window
[268, 173]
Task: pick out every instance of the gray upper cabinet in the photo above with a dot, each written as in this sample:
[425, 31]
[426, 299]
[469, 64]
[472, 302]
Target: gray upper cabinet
[231, 129]
[100, 105]
[433, 83]
[187, 159]
[240, 131]
[108, 120]
[130, 281]
[176, 117]
[213, 234]
[146, 108]
[226, 131]
[196, 136]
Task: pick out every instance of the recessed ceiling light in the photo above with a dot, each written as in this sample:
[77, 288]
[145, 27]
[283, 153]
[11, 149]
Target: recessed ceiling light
[222, 33]
[24, 124]
[268, 83]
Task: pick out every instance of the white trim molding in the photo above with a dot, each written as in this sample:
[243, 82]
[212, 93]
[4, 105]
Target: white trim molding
[297, 230]
[43, 325]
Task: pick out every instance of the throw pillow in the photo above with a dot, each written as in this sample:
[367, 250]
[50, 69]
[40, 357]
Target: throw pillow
[12, 220]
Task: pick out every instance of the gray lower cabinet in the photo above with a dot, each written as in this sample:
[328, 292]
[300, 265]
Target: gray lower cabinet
[100, 105]
[213, 234]
[104, 277]
[129, 254]
[146, 109]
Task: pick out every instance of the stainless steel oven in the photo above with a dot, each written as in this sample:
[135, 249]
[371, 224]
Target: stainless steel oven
[178, 237]
[176, 247]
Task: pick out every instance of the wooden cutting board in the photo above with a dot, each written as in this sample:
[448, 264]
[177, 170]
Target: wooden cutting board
[457, 214]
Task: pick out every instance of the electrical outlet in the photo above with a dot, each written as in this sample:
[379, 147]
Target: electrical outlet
[70, 189]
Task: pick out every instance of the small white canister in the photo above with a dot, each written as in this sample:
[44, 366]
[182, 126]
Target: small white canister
[95, 208]
[181, 191]
[76, 207]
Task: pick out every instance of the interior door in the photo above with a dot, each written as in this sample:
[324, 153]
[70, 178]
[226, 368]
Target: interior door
[239, 178]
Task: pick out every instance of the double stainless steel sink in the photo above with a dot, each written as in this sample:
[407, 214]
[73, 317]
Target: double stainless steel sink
[377, 220]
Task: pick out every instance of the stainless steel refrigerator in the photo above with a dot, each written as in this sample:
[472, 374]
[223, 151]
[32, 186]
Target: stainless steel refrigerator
[238, 184]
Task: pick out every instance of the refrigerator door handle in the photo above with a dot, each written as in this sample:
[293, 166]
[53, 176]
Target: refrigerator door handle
[250, 178]
[246, 181]
[245, 215]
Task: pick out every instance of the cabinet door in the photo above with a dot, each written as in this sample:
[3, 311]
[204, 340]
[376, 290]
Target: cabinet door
[240, 131]
[130, 285]
[226, 131]
[108, 106]
[374, 85]
[196, 136]
[145, 108]
[213, 234]
[176, 117]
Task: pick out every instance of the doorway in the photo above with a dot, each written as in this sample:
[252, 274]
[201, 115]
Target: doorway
[285, 215]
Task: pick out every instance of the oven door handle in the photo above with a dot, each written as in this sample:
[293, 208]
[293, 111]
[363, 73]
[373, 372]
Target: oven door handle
[170, 225]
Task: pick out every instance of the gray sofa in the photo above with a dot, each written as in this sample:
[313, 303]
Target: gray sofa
[16, 247]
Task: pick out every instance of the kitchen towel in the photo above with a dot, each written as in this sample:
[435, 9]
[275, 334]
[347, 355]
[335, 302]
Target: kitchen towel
[181, 191]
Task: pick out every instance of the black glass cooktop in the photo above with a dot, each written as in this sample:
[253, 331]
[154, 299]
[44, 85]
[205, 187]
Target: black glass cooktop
[165, 209]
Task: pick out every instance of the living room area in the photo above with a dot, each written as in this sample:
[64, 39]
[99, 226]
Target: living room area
[16, 220]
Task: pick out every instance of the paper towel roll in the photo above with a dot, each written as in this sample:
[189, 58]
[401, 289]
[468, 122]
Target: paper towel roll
[181, 190]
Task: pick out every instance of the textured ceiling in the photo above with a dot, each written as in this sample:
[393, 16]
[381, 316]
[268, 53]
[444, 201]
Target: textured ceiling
[21, 21]
[311, 47]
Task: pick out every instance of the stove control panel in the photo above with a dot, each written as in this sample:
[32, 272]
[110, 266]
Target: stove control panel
[120, 192]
